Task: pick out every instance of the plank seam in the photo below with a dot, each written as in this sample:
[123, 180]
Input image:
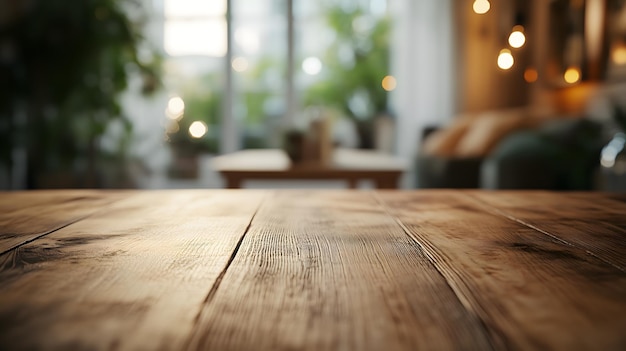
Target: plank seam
[41, 235]
[495, 338]
[67, 224]
[497, 211]
[218, 280]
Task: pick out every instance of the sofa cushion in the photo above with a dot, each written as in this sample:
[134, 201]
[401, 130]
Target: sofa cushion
[485, 132]
[443, 142]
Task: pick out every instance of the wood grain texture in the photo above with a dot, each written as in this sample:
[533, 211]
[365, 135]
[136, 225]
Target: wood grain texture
[592, 221]
[309, 270]
[25, 216]
[331, 270]
[133, 276]
[532, 290]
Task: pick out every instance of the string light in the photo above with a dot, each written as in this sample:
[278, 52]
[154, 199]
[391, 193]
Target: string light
[505, 59]
[481, 6]
[517, 37]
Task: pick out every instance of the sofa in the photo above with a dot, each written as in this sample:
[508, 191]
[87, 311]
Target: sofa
[514, 149]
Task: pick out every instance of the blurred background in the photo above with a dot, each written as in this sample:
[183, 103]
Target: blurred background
[462, 93]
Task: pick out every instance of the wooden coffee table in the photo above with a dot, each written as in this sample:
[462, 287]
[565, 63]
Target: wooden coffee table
[347, 164]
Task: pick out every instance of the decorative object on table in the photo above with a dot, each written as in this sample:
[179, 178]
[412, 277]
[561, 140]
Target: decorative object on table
[293, 144]
[312, 145]
[318, 143]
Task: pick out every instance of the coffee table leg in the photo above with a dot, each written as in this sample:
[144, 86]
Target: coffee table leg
[387, 182]
[352, 183]
[233, 182]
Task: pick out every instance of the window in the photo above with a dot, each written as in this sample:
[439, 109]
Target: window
[282, 57]
[195, 27]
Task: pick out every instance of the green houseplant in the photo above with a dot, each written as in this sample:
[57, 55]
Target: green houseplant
[63, 71]
[349, 83]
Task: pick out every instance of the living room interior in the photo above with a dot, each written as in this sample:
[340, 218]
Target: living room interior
[125, 125]
[437, 85]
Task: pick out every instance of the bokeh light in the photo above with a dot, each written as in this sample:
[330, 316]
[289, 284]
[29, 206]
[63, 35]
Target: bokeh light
[198, 129]
[619, 55]
[175, 107]
[517, 37]
[481, 6]
[531, 75]
[312, 66]
[389, 83]
[505, 59]
[572, 75]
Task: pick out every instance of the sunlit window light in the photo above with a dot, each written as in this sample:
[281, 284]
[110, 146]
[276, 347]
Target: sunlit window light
[198, 129]
[175, 108]
[195, 37]
[312, 66]
[389, 83]
[572, 75]
[505, 59]
[517, 37]
[481, 6]
[194, 8]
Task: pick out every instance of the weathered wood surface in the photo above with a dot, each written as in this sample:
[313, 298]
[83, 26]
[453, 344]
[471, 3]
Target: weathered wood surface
[323, 271]
[530, 290]
[292, 270]
[134, 276]
[25, 216]
[595, 222]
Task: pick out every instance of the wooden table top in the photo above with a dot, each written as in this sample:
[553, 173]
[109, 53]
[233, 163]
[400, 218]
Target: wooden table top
[312, 270]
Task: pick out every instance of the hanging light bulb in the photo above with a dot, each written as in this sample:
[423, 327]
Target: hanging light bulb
[517, 37]
[505, 59]
[481, 6]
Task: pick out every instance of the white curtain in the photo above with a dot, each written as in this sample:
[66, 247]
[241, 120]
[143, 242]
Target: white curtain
[423, 62]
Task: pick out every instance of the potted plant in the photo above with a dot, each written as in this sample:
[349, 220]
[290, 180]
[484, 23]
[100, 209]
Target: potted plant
[354, 86]
[63, 69]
